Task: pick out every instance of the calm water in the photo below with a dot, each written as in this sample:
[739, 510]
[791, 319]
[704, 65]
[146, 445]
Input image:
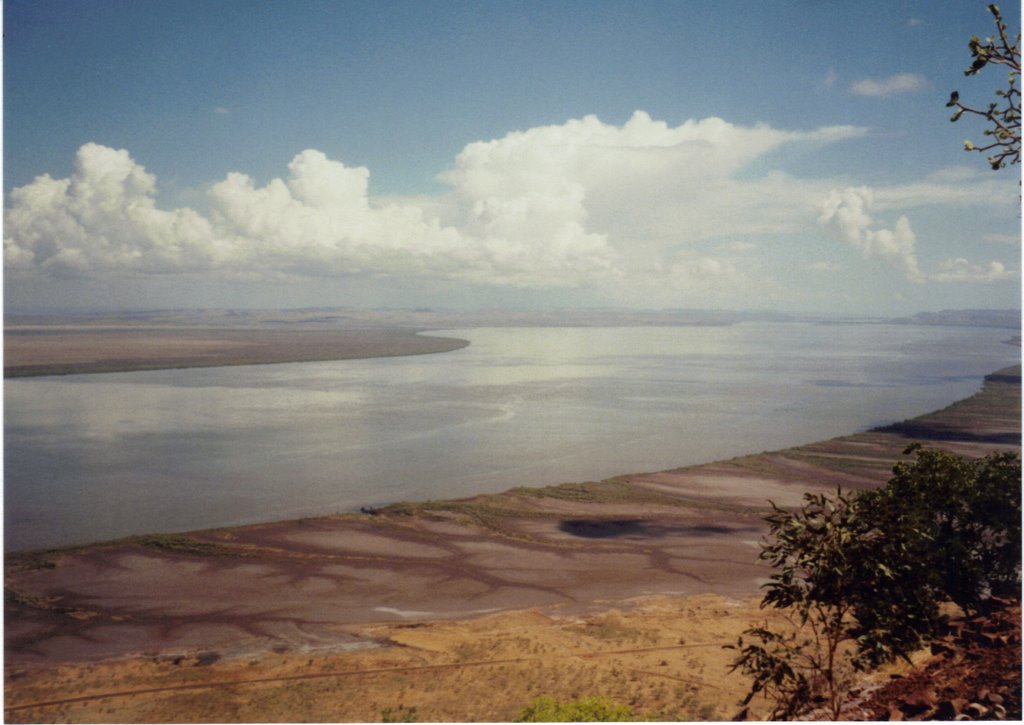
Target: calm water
[102, 456]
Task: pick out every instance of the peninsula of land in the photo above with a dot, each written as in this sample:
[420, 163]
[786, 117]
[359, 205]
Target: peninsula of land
[463, 609]
[50, 350]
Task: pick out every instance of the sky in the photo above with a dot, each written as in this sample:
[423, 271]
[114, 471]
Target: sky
[795, 155]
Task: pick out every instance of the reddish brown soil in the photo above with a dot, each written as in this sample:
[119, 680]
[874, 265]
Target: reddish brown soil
[975, 674]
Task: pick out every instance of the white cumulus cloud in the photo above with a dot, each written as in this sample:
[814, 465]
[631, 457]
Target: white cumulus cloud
[830, 79]
[103, 216]
[899, 83]
[317, 221]
[846, 212]
[961, 270]
[996, 238]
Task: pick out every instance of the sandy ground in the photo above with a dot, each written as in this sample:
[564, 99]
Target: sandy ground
[662, 655]
[463, 609]
[55, 350]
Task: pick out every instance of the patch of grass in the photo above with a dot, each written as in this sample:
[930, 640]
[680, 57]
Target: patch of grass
[16, 597]
[757, 463]
[687, 708]
[587, 709]
[841, 465]
[479, 507]
[181, 544]
[399, 714]
[476, 511]
[590, 492]
[612, 490]
[32, 561]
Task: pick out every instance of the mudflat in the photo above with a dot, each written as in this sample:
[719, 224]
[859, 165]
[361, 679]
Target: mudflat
[56, 350]
[627, 587]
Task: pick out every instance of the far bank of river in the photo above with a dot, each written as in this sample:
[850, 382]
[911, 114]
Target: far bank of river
[40, 350]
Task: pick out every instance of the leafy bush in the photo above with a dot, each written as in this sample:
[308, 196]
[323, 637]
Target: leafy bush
[817, 585]
[968, 516]
[587, 709]
[860, 577]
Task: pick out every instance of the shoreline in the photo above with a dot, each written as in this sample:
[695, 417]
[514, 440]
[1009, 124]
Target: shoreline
[443, 603]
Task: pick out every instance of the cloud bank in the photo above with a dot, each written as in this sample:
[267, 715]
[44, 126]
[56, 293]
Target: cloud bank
[534, 208]
[565, 206]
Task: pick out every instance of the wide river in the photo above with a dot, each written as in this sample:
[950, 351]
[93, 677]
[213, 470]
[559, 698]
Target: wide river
[95, 457]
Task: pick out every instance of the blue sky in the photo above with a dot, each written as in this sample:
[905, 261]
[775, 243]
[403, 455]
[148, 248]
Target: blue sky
[787, 155]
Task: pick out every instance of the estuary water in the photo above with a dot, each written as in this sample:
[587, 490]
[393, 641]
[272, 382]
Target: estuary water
[96, 457]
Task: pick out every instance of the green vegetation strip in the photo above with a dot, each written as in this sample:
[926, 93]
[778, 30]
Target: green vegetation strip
[180, 544]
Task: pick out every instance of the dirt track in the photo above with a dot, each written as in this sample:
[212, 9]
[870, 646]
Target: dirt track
[479, 670]
[234, 683]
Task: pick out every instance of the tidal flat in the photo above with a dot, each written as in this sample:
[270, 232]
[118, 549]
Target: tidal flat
[464, 609]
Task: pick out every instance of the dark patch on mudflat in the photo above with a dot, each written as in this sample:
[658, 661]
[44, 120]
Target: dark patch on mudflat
[932, 432]
[597, 529]
[638, 528]
[205, 659]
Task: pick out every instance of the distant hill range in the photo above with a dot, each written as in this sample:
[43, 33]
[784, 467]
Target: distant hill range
[974, 318]
[427, 318]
